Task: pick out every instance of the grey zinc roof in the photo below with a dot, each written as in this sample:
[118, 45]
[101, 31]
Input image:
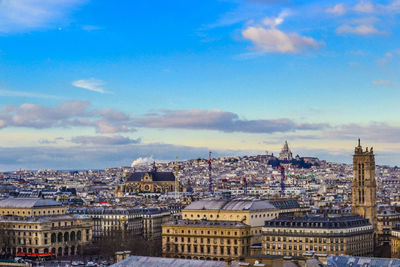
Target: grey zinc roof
[334, 261]
[140, 261]
[206, 204]
[235, 204]
[27, 202]
[155, 176]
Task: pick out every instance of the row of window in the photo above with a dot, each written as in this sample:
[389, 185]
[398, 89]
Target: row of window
[206, 249]
[231, 216]
[202, 232]
[317, 240]
[43, 212]
[205, 240]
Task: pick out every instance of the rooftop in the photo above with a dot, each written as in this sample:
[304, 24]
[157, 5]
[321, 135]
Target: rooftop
[362, 261]
[139, 261]
[235, 204]
[319, 221]
[155, 176]
[28, 203]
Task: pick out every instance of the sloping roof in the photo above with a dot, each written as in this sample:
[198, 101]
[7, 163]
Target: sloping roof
[27, 203]
[156, 176]
[362, 261]
[140, 261]
[286, 204]
[235, 204]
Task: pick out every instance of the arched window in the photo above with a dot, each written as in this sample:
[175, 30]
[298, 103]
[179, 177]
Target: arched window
[72, 250]
[66, 237]
[59, 237]
[66, 250]
[79, 235]
[72, 236]
[53, 238]
[59, 251]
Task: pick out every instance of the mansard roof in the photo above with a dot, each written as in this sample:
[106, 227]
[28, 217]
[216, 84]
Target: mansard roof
[316, 221]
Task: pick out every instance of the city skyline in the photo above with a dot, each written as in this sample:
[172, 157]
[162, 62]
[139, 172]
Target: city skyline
[85, 84]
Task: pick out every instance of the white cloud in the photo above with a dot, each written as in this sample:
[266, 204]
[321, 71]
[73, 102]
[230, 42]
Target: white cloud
[381, 82]
[273, 22]
[272, 40]
[25, 15]
[91, 85]
[357, 29]
[364, 7]
[338, 9]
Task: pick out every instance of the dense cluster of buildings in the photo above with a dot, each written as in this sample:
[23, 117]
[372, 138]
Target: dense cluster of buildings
[322, 209]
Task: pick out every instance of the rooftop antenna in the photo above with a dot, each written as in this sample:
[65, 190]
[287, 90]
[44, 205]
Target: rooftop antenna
[210, 182]
[176, 180]
[282, 169]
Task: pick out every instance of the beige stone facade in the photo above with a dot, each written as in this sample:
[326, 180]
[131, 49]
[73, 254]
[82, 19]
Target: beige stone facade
[203, 239]
[395, 242]
[387, 220]
[41, 226]
[294, 236]
[248, 211]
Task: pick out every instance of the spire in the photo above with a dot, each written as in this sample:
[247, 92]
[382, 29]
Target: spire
[154, 167]
[359, 143]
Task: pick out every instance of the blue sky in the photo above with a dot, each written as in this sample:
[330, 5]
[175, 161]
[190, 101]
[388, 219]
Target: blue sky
[90, 84]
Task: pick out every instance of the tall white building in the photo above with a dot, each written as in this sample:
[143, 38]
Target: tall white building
[285, 154]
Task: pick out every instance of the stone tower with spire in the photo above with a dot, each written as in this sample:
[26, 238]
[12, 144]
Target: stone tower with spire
[364, 184]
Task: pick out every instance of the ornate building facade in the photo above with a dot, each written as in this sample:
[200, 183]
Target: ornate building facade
[251, 212]
[285, 154]
[147, 182]
[364, 184]
[42, 227]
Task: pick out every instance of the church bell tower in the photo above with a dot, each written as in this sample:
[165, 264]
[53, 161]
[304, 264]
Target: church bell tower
[364, 184]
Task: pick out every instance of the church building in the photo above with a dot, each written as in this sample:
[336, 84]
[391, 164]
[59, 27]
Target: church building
[147, 182]
[285, 154]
